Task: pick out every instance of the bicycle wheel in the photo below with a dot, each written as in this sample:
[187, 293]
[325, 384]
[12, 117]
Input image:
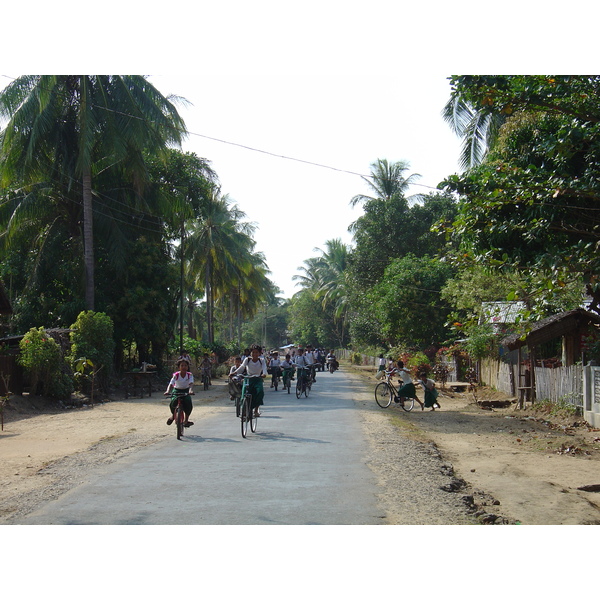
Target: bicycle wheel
[307, 388]
[383, 394]
[276, 383]
[298, 389]
[245, 418]
[205, 381]
[408, 404]
[179, 420]
[238, 404]
[253, 421]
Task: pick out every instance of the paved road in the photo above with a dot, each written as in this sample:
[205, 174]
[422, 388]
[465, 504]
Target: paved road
[304, 465]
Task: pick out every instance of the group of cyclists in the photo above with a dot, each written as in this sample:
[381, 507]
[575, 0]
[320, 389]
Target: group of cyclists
[248, 372]
[300, 363]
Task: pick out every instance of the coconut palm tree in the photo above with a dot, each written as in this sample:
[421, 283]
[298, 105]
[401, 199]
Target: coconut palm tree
[386, 181]
[67, 129]
[478, 129]
[218, 245]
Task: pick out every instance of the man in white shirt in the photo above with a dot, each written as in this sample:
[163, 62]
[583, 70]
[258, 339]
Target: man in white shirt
[302, 363]
[312, 360]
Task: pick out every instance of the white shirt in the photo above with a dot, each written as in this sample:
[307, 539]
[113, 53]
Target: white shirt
[301, 361]
[404, 375]
[310, 358]
[253, 369]
[181, 383]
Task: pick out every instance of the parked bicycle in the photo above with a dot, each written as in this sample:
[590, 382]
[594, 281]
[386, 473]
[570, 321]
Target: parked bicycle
[386, 391]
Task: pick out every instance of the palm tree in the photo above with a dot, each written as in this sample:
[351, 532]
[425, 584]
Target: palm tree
[386, 181]
[325, 277]
[478, 129]
[218, 245]
[68, 129]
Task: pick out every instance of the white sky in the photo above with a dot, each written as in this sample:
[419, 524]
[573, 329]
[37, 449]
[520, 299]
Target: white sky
[320, 116]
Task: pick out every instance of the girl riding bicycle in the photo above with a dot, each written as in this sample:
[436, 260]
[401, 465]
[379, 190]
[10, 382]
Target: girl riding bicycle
[181, 380]
[256, 369]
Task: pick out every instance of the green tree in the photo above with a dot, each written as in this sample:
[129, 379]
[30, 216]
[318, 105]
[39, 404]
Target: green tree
[531, 206]
[386, 181]
[219, 246]
[409, 304]
[70, 128]
[92, 338]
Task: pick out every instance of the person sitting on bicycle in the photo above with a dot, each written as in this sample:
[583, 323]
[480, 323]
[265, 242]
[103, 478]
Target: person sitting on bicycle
[256, 369]
[302, 365]
[312, 362]
[288, 369]
[331, 360]
[181, 380]
[206, 366]
[407, 390]
[235, 383]
[275, 366]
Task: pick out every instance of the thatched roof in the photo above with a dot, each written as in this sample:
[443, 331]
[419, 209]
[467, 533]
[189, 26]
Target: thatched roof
[552, 327]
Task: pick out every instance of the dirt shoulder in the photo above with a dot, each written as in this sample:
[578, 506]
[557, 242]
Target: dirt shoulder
[531, 465]
[515, 465]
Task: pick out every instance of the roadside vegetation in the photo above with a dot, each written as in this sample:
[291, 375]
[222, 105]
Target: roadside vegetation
[103, 217]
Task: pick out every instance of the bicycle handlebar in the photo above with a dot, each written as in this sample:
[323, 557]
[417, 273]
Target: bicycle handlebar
[180, 392]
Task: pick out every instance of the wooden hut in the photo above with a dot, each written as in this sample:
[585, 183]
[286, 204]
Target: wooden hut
[571, 326]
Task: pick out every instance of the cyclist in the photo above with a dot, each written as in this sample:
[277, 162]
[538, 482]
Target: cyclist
[288, 369]
[310, 357]
[206, 367]
[302, 365]
[407, 390]
[331, 360]
[275, 366]
[181, 380]
[256, 368]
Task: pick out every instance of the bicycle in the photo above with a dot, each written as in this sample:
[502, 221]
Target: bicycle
[205, 378]
[385, 392]
[287, 379]
[179, 413]
[275, 377]
[244, 409]
[303, 383]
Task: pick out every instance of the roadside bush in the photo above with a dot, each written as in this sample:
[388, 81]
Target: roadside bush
[92, 338]
[42, 358]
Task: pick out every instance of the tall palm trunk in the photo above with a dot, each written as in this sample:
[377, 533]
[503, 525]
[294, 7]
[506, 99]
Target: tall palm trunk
[88, 239]
[209, 301]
